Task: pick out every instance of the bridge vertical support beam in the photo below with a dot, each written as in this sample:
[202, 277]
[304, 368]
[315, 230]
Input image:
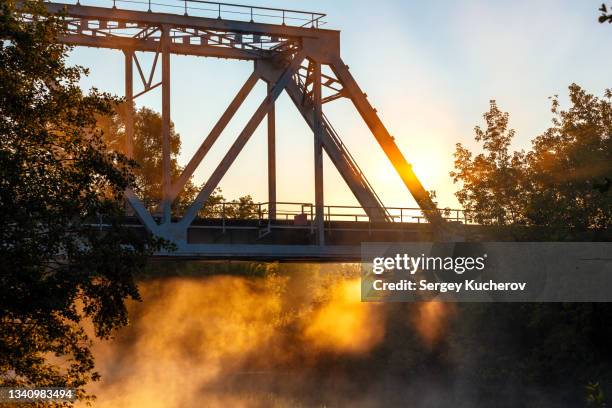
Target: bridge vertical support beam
[166, 177]
[129, 103]
[318, 154]
[129, 120]
[271, 158]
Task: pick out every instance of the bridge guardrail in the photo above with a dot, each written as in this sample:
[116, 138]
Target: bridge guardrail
[228, 210]
[212, 9]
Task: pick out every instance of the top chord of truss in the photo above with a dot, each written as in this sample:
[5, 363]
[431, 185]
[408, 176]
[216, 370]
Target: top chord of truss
[194, 27]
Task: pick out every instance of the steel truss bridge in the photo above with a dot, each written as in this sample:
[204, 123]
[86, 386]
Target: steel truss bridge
[288, 48]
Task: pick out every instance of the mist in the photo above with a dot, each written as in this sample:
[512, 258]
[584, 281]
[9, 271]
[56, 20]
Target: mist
[292, 336]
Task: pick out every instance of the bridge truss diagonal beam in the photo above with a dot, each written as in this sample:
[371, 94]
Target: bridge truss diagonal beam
[214, 134]
[358, 186]
[141, 212]
[387, 143]
[241, 141]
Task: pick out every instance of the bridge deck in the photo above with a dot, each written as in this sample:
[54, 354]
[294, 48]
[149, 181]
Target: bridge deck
[284, 240]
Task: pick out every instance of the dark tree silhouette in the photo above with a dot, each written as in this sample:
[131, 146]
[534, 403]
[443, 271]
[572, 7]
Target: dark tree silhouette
[605, 15]
[148, 157]
[148, 154]
[562, 182]
[57, 178]
[492, 181]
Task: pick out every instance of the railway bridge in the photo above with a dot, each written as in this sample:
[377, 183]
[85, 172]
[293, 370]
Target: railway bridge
[292, 52]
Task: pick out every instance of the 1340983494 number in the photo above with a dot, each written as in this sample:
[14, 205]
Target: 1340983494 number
[8, 394]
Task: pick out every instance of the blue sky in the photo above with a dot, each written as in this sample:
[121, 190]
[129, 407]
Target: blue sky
[430, 68]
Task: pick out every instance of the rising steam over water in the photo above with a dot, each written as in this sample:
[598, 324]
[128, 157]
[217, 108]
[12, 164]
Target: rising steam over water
[290, 340]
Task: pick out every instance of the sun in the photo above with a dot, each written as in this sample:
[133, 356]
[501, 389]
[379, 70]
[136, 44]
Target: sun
[427, 169]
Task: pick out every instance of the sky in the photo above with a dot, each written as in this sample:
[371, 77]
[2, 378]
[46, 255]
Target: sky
[429, 68]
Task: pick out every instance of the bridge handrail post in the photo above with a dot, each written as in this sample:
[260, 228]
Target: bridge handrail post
[328, 219]
[311, 220]
[223, 215]
[259, 213]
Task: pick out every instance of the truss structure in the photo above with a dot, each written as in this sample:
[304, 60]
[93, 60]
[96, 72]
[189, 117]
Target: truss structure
[287, 57]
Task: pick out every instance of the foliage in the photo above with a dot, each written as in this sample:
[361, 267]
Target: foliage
[605, 15]
[491, 180]
[570, 165]
[57, 178]
[148, 156]
[563, 181]
[556, 347]
[242, 208]
[595, 395]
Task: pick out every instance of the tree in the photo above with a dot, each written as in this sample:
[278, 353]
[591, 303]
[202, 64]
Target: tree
[559, 182]
[148, 156]
[58, 180]
[570, 165]
[605, 15]
[492, 182]
[562, 182]
[218, 207]
[243, 208]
